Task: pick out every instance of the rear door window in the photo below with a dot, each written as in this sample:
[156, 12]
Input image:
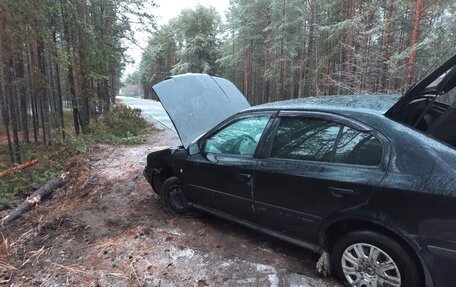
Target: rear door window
[311, 139]
[305, 139]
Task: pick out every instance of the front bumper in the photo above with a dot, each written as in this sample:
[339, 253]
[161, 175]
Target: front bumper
[148, 175]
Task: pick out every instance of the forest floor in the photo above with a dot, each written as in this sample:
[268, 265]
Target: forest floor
[106, 228]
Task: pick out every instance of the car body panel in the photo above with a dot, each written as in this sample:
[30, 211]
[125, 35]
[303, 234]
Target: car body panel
[196, 103]
[411, 195]
[216, 182]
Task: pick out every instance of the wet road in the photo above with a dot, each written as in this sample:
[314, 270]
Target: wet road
[152, 111]
[240, 257]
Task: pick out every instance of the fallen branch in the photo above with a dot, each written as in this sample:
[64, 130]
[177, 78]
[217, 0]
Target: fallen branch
[36, 197]
[19, 167]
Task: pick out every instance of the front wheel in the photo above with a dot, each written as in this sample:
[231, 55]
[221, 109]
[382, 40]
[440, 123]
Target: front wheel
[172, 197]
[370, 259]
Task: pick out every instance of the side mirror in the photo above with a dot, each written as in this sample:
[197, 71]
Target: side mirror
[193, 148]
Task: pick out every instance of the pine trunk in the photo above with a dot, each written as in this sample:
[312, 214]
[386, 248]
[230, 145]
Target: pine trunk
[386, 45]
[414, 40]
[43, 95]
[23, 99]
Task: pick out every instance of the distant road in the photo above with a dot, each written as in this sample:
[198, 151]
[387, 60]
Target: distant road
[152, 111]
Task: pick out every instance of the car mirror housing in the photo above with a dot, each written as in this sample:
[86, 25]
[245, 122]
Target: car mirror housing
[193, 148]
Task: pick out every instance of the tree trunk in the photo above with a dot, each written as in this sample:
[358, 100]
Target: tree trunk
[12, 106]
[35, 198]
[82, 82]
[305, 83]
[386, 44]
[23, 99]
[60, 99]
[3, 98]
[349, 48]
[247, 71]
[414, 40]
[44, 100]
[282, 65]
[267, 57]
[68, 36]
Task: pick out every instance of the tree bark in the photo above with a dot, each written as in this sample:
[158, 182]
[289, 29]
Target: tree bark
[305, 83]
[3, 97]
[12, 108]
[414, 40]
[386, 44]
[35, 198]
[44, 99]
[349, 48]
[23, 99]
[267, 57]
[19, 167]
[247, 71]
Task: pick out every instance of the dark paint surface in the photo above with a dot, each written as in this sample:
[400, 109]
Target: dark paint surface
[222, 183]
[412, 193]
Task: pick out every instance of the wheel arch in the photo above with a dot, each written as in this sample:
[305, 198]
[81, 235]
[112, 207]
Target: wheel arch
[338, 228]
[160, 167]
[159, 176]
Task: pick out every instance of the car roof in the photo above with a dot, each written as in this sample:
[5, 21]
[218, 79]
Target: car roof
[372, 104]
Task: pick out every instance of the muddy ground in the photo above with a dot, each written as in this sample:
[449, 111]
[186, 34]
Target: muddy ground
[106, 228]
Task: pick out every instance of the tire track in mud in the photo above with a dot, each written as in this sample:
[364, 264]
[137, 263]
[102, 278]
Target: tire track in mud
[111, 231]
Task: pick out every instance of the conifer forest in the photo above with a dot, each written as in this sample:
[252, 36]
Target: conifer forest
[69, 55]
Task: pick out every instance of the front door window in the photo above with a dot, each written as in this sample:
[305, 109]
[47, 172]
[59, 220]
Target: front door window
[239, 138]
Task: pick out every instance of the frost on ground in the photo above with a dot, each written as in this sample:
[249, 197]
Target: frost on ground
[107, 229]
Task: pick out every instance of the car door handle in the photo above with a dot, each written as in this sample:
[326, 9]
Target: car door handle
[339, 192]
[245, 177]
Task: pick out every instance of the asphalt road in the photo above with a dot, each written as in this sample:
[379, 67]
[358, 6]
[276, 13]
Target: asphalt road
[152, 111]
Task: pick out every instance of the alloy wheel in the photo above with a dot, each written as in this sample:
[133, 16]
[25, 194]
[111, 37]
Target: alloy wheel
[366, 265]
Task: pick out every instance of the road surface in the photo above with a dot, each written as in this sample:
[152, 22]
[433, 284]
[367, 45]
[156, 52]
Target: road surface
[152, 111]
[239, 256]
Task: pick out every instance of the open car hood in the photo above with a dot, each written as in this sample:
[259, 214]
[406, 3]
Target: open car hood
[196, 103]
[439, 82]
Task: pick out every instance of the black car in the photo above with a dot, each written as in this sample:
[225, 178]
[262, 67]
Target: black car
[367, 181]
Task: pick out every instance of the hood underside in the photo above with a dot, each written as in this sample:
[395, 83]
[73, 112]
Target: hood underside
[196, 103]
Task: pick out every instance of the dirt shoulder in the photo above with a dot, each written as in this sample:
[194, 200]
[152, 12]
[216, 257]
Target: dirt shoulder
[106, 228]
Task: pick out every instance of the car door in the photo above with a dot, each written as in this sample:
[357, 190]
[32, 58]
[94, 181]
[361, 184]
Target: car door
[316, 165]
[220, 175]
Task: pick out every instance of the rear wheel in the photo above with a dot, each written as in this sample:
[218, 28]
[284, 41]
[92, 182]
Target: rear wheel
[370, 259]
[172, 197]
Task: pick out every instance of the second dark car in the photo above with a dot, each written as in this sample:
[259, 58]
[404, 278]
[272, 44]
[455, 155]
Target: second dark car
[369, 182]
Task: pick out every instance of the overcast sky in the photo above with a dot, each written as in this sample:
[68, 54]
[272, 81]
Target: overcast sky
[166, 10]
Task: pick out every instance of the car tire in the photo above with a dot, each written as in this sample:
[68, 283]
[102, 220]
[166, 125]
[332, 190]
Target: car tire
[172, 197]
[361, 256]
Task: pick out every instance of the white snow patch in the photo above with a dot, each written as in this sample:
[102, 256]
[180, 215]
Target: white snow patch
[174, 231]
[272, 273]
[184, 253]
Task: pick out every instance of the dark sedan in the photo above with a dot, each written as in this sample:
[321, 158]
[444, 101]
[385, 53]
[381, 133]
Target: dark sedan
[369, 182]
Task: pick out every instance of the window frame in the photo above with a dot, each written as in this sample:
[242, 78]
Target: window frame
[233, 119]
[325, 116]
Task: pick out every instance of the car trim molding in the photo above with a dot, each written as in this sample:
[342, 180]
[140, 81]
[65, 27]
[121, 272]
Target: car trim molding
[327, 116]
[256, 227]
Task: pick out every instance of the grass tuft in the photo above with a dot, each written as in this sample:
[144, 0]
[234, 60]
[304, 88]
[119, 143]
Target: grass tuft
[122, 125]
